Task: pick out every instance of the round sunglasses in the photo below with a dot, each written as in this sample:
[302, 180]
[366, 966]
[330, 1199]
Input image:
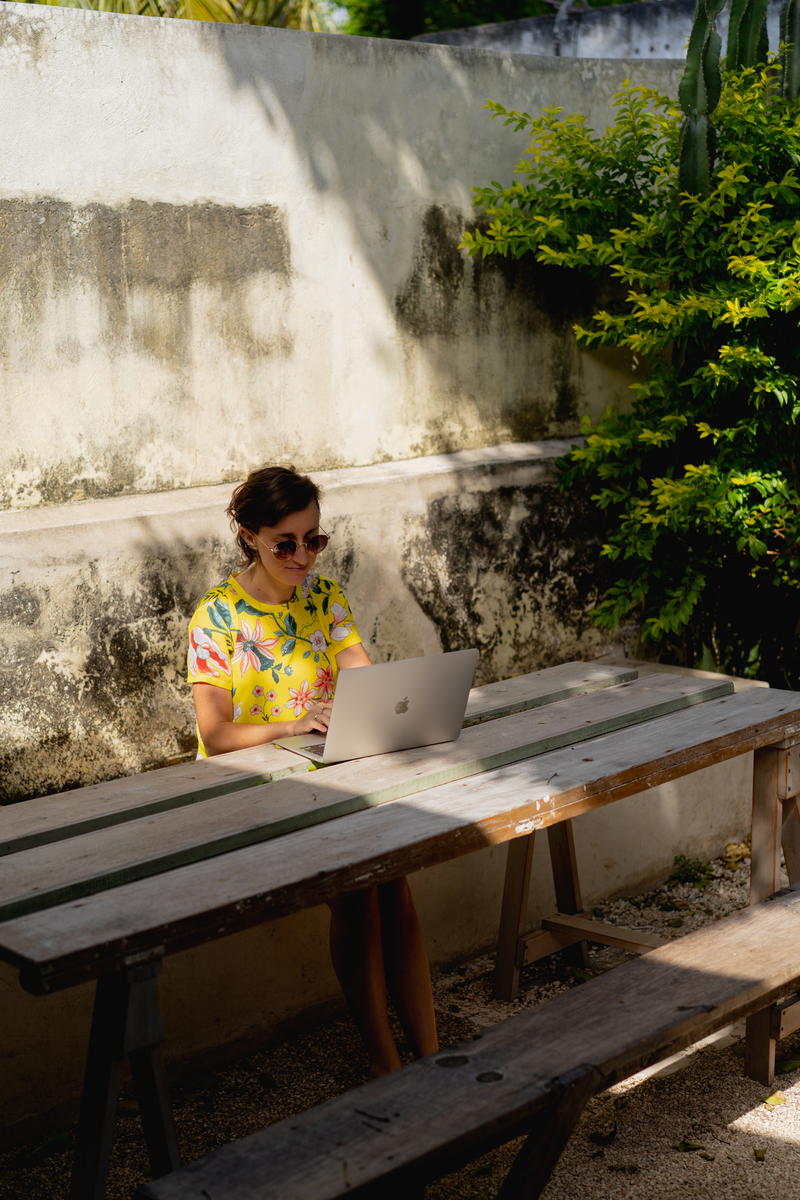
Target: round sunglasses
[286, 548]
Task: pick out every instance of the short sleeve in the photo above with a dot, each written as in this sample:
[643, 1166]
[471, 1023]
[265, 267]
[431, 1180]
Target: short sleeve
[211, 643]
[342, 631]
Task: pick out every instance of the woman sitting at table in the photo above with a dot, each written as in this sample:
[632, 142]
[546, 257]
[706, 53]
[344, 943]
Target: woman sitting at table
[265, 648]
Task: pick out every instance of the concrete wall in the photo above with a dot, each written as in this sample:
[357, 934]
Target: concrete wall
[642, 30]
[224, 245]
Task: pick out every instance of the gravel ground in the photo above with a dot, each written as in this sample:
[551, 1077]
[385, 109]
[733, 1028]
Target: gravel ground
[695, 1129]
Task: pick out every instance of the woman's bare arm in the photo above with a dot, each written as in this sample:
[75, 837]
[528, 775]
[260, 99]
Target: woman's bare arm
[353, 656]
[214, 710]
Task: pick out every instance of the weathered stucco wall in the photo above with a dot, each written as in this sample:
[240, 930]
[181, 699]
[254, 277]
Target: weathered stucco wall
[221, 246]
[644, 29]
[476, 548]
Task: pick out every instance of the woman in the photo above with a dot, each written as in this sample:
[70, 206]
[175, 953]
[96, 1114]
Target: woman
[265, 648]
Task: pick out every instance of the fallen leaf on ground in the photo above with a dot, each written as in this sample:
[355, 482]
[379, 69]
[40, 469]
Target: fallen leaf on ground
[775, 1099]
[686, 1147]
[759, 1153]
[735, 852]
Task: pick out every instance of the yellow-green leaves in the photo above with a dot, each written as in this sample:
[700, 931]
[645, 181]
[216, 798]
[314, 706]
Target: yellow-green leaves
[700, 479]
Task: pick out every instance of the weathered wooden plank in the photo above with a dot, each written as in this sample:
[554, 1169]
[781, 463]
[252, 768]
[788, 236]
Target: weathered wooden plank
[443, 1111]
[106, 858]
[76, 941]
[542, 687]
[100, 805]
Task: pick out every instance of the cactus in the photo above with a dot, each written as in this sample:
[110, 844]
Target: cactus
[698, 93]
[747, 33]
[699, 88]
[696, 153]
[790, 35]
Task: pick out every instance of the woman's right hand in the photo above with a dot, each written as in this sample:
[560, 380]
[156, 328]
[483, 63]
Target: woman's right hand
[315, 721]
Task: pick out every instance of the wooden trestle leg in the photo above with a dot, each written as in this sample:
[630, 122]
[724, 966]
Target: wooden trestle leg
[126, 1021]
[513, 917]
[776, 822]
[564, 866]
[536, 1160]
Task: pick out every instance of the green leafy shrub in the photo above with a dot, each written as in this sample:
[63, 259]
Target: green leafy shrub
[699, 479]
[691, 870]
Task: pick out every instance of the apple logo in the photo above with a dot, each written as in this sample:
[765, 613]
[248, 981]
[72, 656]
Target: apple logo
[402, 705]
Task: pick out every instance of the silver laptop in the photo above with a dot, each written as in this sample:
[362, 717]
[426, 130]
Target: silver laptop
[392, 706]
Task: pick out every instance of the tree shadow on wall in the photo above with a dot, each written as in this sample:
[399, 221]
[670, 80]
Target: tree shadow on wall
[390, 135]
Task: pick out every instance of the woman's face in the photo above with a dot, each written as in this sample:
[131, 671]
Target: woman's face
[286, 573]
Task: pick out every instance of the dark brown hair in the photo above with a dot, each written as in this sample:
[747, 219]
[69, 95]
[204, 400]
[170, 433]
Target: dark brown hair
[265, 498]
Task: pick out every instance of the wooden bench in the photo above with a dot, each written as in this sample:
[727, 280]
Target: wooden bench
[532, 1074]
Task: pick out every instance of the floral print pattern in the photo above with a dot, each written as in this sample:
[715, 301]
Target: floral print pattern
[276, 660]
[300, 699]
[253, 648]
[340, 629]
[204, 657]
[324, 684]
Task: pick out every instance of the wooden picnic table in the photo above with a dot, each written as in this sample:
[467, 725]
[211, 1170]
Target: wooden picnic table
[103, 882]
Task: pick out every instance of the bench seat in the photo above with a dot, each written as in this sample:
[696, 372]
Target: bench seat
[392, 1135]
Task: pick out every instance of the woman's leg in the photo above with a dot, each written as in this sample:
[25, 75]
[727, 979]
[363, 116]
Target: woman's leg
[357, 955]
[405, 962]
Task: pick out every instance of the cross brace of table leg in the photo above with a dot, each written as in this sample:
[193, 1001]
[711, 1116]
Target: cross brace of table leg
[126, 1022]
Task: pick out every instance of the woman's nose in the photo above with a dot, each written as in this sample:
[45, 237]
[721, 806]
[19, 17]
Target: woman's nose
[301, 554]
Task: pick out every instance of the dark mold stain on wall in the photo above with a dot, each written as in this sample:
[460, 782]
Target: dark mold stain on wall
[168, 245]
[99, 684]
[500, 304]
[20, 605]
[512, 571]
[429, 301]
[132, 280]
[46, 244]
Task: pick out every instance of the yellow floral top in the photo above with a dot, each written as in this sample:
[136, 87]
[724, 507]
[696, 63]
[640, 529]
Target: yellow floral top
[276, 660]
